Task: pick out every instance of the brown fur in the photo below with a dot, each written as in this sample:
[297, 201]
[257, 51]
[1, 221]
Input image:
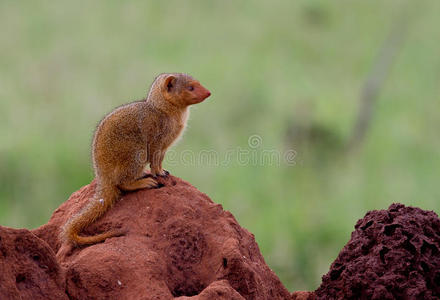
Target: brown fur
[129, 138]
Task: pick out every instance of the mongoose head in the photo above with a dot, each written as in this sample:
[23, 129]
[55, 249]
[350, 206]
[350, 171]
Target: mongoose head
[180, 89]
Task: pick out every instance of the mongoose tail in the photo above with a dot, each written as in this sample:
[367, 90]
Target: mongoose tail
[107, 197]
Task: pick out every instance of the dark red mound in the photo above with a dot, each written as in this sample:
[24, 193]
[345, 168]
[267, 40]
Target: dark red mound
[28, 268]
[392, 254]
[179, 244]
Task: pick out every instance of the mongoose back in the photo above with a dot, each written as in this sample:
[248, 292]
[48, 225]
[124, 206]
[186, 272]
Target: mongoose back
[129, 138]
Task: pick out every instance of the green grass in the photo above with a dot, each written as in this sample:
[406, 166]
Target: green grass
[269, 64]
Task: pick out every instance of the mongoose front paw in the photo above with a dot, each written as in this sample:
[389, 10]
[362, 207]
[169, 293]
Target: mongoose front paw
[162, 173]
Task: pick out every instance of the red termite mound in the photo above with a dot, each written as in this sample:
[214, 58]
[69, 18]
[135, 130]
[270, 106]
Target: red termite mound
[392, 254]
[181, 245]
[178, 244]
[28, 267]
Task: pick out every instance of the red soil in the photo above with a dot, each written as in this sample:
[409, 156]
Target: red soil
[181, 245]
[392, 254]
[178, 245]
[28, 267]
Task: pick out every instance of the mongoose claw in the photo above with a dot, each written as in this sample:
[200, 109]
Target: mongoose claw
[163, 173]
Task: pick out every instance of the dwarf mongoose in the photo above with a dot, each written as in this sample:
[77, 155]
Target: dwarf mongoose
[129, 138]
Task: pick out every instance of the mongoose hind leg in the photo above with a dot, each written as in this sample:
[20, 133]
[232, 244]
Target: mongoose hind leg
[143, 183]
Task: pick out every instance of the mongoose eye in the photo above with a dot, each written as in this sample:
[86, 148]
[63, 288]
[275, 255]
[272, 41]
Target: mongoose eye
[191, 88]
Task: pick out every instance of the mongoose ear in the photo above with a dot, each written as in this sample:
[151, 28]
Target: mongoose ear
[169, 83]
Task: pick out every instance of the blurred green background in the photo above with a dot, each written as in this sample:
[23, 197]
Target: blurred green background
[291, 72]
